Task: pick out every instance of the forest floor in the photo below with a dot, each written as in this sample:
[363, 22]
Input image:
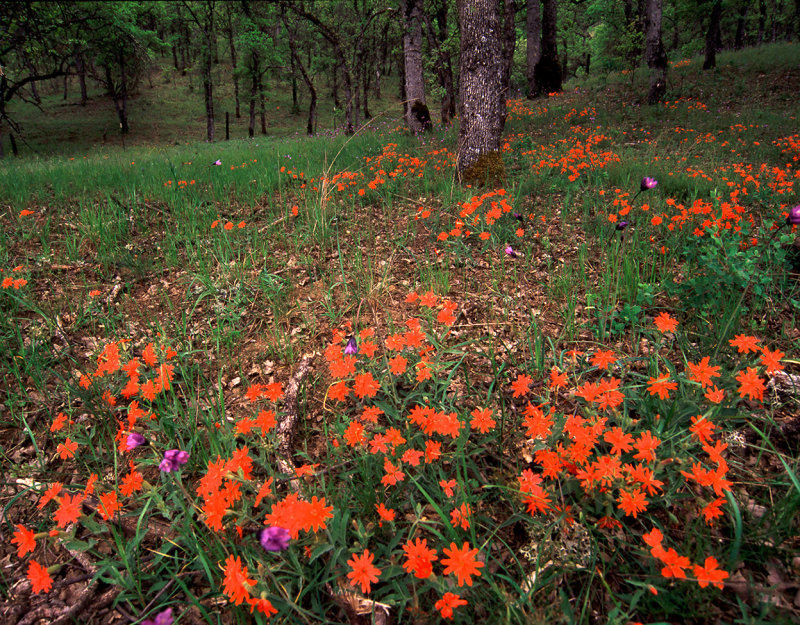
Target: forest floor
[531, 378]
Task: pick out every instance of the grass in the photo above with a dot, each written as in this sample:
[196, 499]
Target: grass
[542, 422]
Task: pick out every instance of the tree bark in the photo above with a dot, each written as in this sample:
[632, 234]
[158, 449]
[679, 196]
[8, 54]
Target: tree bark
[741, 23]
[509, 8]
[654, 52]
[232, 46]
[312, 108]
[547, 73]
[417, 115]
[81, 69]
[533, 28]
[713, 36]
[482, 94]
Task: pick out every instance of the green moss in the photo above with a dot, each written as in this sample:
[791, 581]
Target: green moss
[488, 170]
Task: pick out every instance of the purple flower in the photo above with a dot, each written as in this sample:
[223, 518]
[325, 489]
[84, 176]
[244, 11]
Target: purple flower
[134, 440]
[351, 347]
[274, 538]
[648, 183]
[162, 618]
[621, 225]
[510, 251]
[173, 460]
[794, 216]
[217, 162]
[517, 216]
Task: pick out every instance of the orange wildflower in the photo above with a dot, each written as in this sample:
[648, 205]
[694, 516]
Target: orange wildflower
[665, 322]
[446, 604]
[236, 584]
[419, 558]
[24, 539]
[462, 561]
[39, 577]
[751, 385]
[709, 573]
[363, 573]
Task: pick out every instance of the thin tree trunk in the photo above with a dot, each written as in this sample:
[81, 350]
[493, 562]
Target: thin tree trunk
[762, 20]
[312, 108]
[443, 68]
[365, 82]
[263, 108]
[741, 23]
[255, 67]
[335, 85]
[654, 52]
[66, 86]
[234, 63]
[533, 27]
[482, 103]
[713, 36]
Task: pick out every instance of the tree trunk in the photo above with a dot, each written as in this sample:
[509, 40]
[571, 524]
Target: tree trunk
[654, 52]
[533, 27]
[741, 23]
[232, 46]
[443, 68]
[66, 86]
[81, 69]
[417, 115]
[255, 73]
[295, 106]
[713, 36]
[762, 20]
[509, 8]
[312, 108]
[365, 82]
[547, 73]
[482, 102]
[263, 108]
[208, 91]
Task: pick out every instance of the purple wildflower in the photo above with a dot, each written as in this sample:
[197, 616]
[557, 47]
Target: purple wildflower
[510, 251]
[621, 225]
[794, 216]
[162, 618]
[351, 347]
[217, 162]
[173, 460]
[134, 440]
[517, 216]
[274, 538]
[648, 183]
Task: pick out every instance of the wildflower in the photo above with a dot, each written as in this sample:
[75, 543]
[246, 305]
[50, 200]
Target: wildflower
[665, 322]
[520, 385]
[236, 583]
[173, 460]
[482, 420]
[794, 216]
[661, 386]
[462, 562]
[745, 344]
[25, 540]
[134, 440]
[603, 358]
[351, 347]
[218, 162]
[510, 251]
[364, 572]
[752, 386]
[109, 505]
[621, 226]
[702, 372]
[446, 604]
[648, 183]
[419, 558]
[274, 538]
[709, 573]
[69, 510]
[39, 577]
[162, 618]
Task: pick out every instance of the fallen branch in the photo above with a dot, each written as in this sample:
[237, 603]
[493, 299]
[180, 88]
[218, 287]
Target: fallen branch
[286, 427]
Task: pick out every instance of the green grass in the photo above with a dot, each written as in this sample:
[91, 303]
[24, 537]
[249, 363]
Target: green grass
[251, 271]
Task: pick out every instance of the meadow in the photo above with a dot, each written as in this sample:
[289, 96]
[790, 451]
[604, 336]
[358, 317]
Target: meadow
[317, 380]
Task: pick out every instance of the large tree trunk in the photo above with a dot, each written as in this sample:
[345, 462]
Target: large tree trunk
[417, 115]
[547, 73]
[533, 27]
[713, 36]
[654, 52]
[482, 101]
